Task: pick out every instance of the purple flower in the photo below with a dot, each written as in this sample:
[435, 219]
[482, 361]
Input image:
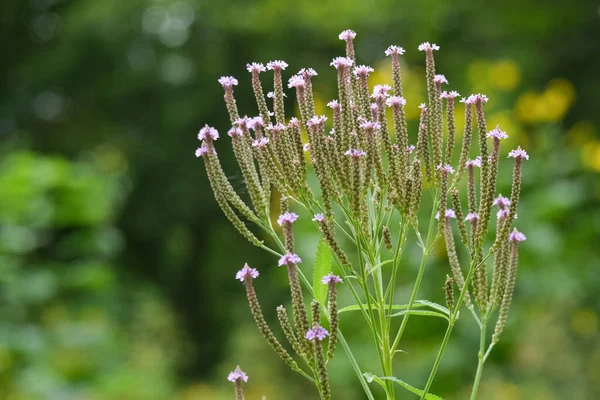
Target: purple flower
[355, 153]
[277, 128]
[307, 72]
[497, 134]
[333, 104]
[319, 218]
[395, 101]
[449, 96]
[411, 148]
[369, 125]
[208, 132]
[502, 202]
[228, 81]
[277, 65]
[235, 132]
[317, 120]
[294, 122]
[363, 71]
[423, 106]
[286, 218]
[472, 217]
[380, 91]
[289, 259]
[243, 123]
[518, 153]
[306, 146]
[394, 50]
[347, 35]
[246, 272]
[237, 375]
[374, 107]
[468, 100]
[256, 123]
[439, 79]
[201, 151]
[474, 163]
[516, 236]
[502, 213]
[341, 62]
[445, 168]
[448, 214]
[296, 81]
[428, 47]
[480, 98]
[331, 278]
[318, 332]
[260, 143]
[255, 67]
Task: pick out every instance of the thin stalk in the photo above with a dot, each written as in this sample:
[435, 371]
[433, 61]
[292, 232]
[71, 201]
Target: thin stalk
[481, 359]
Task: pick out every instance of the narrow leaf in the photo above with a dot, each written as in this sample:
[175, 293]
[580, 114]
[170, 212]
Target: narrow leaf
[379, 265]
[433, 305]
[356, 307]
[322, 268]
[372, 378]
[425, 313]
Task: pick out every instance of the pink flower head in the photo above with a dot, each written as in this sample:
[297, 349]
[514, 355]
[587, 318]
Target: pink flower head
[243, 123]
[448, 214]
[502, 202]
[296, 81]
[449, 96]
[256, 123]
[428, 47]
[287, 218]
[307, 73]
[395, 101]
[480, 98]
[306, 146]
[294, 122]
[519, 154]
[497, 134]
[237, 375]
[246, 273]
[277, 128]
[516, 236]
[445, 168]
[423, 106]
[363, 71]
[317, 120]
[370, 125]
[380, 91]
[319, 218]
[334, 105]
[503, 213]
[208, 133]
[235, 132]
[202, 151]
[289, 259]
[472, 217]
[255, 67]
[469, 100]
[439, 79]
[318, 332]
[228, 81]
[474, 163]
[341, 63]
[277, 65]
[411, 148]
[331, 278]
[347, 35]
[374, 107]
[394, 50]
[260, 143]
[355, 153]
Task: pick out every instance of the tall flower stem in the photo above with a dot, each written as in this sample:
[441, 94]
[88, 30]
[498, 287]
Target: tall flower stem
[481, 358]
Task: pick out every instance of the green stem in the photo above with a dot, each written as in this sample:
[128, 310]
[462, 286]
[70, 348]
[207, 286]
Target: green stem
[481, 359]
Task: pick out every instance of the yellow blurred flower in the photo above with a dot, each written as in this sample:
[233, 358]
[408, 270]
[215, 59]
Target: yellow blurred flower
[504, 75]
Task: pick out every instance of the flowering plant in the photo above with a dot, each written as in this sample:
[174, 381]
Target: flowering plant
[369, 176]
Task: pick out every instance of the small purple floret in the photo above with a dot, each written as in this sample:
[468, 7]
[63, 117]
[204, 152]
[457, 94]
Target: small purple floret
[317, 333]
[331, 278]
[246, 272]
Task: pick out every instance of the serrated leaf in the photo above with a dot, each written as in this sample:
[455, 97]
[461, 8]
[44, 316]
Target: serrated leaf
[379, 379]
[425, 313]
[322, 268]
[433, 305]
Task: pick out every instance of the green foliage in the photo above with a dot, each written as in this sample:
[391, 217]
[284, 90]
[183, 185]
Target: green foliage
[322, 268]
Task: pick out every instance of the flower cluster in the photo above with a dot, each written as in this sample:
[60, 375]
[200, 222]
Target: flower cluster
[367, 172]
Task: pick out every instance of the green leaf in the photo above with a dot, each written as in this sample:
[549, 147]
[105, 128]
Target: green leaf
[381, 264]
[435, 306]
[322, 268]
[372, 378]
[425, 313]
[356, 307]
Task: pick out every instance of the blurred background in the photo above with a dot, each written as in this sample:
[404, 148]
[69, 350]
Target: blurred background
[116, 265]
